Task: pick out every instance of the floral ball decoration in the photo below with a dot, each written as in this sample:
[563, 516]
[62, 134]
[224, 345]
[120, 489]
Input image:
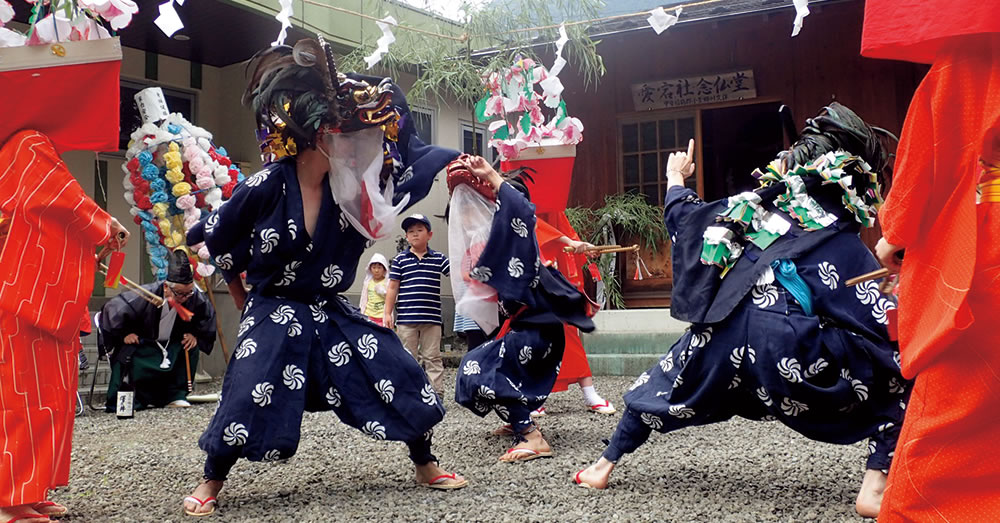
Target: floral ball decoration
[174, 175]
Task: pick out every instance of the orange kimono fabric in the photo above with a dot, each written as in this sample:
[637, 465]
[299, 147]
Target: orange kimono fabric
[46, 277]
[549, 228]
[947, 466]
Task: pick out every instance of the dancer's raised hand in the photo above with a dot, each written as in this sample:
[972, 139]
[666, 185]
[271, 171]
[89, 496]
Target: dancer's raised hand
[480, 168]
[680, 165]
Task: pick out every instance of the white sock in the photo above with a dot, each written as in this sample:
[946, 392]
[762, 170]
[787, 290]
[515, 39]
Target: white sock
[591, 396]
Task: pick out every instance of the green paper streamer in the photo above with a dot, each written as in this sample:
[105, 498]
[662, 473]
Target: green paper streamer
[481, 109]
[561, 112]
[526, 123]
[33, 18]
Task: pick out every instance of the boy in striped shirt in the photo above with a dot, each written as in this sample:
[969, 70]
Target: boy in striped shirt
[415, 297]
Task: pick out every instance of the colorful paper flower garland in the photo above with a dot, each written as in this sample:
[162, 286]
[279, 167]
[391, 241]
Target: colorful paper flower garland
[513, 92]
[174, 176]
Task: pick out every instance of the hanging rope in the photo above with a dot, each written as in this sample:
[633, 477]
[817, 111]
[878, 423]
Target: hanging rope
[606, 18]
[466, 37]
[461, 38]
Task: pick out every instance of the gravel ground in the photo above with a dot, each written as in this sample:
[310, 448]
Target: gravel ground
[139, 470]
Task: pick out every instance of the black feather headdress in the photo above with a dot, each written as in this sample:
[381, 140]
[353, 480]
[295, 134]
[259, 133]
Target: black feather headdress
[291, 91]
[518, 178]
[838, 127]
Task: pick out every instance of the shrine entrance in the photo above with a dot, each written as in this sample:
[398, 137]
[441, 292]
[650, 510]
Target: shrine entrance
[735, 141]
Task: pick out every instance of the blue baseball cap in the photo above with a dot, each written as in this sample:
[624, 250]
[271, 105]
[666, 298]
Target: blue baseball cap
[414, 219]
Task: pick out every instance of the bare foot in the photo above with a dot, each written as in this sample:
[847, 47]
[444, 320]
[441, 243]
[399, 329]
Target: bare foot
[49, 508]
[25, 512]
[206, 490]
[433, 476]
[870, 496]
[595, 476]
[533, 447]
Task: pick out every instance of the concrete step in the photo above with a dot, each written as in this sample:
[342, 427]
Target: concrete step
[638, 320]
[103, 377]
[621, 364]
[629, 343]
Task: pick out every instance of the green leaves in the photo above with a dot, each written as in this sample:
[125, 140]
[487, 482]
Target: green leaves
[623, 215]
[448, 71]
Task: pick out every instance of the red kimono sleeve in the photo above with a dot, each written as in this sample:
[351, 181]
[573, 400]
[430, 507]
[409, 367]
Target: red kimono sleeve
[931, 208]
[47, 262]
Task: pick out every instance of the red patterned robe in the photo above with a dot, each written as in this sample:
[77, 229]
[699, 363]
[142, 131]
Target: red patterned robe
[549, 228]
[46, 277]
[947, 466]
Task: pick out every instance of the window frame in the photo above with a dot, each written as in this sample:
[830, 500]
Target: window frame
[490, 153]
[675, 115]
[432, 113]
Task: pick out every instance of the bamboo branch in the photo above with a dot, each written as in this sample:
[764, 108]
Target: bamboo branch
[874, 275]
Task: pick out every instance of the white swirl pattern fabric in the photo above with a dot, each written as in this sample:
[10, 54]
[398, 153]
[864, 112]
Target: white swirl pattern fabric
[831, 376]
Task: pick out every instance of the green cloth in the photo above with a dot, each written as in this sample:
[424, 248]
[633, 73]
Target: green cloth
[154, 387]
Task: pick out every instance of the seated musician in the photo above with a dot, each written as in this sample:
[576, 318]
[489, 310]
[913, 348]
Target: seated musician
[150, 341]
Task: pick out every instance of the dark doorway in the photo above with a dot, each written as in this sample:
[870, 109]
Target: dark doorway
[735, 141]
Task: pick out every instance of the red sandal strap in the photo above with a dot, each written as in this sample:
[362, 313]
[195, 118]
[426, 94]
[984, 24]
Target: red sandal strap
[442, 478]
[21, 517]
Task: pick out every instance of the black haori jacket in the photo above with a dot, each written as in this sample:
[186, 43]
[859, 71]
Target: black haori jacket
[128, 313]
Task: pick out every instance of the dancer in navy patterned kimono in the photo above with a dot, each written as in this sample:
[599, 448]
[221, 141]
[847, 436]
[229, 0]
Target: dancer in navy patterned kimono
[513, 374]
[298, 229]
[775, 332]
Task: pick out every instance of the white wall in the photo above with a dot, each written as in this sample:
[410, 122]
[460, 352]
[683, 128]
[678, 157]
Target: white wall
[447, 133]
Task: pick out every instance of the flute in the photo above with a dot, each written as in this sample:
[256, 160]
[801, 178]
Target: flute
[605, 249]
[868, 276]
[140, 290]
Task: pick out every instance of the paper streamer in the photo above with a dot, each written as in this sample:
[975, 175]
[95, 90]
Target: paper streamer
[801, 11]
[386, 24]
[152, 105]
[6, 12]
[552, 87]
[558, 64]
[660, 21]
[168, 21]
[285, 17]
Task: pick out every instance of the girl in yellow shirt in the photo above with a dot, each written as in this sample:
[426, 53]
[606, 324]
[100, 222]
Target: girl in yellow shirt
[374, 288]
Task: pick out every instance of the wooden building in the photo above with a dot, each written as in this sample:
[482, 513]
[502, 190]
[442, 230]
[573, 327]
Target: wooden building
[719, 76]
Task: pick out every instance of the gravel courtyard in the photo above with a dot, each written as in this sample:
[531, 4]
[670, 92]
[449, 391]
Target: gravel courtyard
[139, 470]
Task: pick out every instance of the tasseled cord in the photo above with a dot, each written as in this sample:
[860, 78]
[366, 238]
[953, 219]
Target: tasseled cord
[787, 275]
[638, 272]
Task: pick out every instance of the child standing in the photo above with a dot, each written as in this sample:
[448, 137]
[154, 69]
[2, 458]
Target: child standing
[415, 279]
[374, 289]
